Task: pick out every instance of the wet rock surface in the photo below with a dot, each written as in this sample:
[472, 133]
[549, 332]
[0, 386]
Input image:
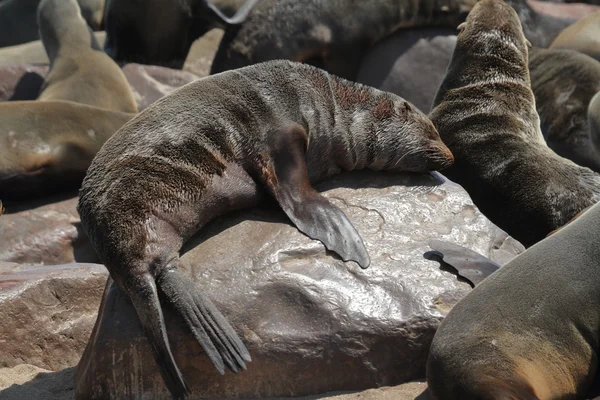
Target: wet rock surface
[312, 323]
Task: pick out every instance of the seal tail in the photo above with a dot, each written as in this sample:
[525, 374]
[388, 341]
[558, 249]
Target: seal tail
[147, 305]
[209, 327]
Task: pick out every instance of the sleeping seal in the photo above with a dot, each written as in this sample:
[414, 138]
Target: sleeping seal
[583, 36]
[211, 147]
[485, 112]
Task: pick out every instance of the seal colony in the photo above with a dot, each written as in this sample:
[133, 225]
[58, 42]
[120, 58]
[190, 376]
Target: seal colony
[485, 113]
[331, 35]
[209, 148]
[48, 144]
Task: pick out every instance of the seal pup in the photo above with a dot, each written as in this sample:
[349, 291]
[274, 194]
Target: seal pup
[18, 19]
[211, 147]
[162, 32]
[564, 82]
[583, 36]
[530, 330]
[46, 146]
[485, 112]
[79, 70]
[327, 34]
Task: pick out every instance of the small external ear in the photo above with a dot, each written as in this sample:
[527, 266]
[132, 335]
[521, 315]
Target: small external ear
[528, 43]
[407, 106]
[461, 27]
[239, 17]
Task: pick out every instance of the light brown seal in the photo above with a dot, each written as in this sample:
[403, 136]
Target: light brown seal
[46, 146]
[485, 113]
[332, 35]
[531, 330]
[583, 36]
[79, 70]
[211, 147]
[564, 82]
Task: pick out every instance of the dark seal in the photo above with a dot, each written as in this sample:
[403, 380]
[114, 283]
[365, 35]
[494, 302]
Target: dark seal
[211, 147]
[485, 113]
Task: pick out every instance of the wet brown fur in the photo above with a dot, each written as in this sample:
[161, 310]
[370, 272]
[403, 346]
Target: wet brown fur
[485, 113]
[214, 146]
[333, 35]
[80, 71]
[564, 82]
[530, 330]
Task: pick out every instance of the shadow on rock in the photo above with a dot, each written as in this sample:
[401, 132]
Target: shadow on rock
[44, 386]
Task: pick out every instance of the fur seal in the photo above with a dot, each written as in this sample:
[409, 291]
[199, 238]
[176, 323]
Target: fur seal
[583, 36]
[47, 145]
[162, 32]
[79, 70]
[209, 148]
[485, 112]
[564, 82]
[531, 329]
[18, 19]
[331, 35]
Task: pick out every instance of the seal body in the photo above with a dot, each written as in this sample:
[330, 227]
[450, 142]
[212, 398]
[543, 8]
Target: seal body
[46, 146]
[79, 70]
[594, 116]
[161, 32]
[531, 329]
[564, 82]
[583, 36]
[485, 112]
[333, 35]
[211, 147]
[49, 143]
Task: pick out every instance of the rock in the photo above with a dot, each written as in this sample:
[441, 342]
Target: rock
[148, 82]
[410, 63]
[44, 235]
[47, 313]
[32, 383]
[32, 52]
[312, 323]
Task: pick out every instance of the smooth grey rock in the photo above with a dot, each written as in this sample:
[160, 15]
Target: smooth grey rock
[312, 323]
[47, 313]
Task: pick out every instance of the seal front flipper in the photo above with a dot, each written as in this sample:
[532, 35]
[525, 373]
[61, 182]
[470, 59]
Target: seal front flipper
[209, 327]
[286, 176]
[468, 264]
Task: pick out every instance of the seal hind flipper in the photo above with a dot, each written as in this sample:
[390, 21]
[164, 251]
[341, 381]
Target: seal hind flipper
[468, 264]
[287, 178]
[209, 327]
[144, 296]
